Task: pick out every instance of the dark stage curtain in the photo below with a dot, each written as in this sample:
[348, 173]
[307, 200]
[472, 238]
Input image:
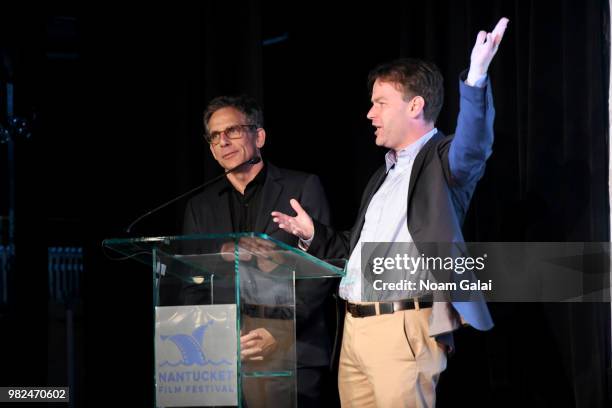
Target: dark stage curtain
[124, 128]
[546, 181]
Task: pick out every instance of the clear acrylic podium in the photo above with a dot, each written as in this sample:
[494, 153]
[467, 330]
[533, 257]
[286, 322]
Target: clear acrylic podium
[208, 291]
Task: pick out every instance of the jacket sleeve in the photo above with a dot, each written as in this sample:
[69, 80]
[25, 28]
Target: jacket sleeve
[472, 143]
[316, 205]
[329, 243]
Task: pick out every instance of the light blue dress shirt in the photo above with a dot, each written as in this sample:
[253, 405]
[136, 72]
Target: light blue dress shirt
[385, 219]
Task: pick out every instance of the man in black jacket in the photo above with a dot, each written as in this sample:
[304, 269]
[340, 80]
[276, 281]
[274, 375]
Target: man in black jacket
[242, 202]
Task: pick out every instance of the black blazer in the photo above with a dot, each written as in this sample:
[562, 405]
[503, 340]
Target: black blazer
[209, 212]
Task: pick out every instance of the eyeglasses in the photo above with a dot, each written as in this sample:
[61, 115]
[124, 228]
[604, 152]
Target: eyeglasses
[232, 132]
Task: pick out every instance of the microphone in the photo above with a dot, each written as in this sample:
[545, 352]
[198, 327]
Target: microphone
[252, 160]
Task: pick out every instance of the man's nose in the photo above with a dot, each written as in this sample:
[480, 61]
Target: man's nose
[371, 114]
[223, 139]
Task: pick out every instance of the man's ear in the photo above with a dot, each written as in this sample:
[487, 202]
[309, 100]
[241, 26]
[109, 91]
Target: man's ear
[416, 107]
[260, 138]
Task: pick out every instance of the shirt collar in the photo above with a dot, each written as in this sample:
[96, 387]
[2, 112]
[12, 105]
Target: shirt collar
[407, 155]
[259, 180]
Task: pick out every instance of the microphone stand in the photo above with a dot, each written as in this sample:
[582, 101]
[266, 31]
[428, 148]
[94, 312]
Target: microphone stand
[251, 161]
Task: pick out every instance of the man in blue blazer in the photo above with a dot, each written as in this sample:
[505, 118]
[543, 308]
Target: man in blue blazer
[393, 352]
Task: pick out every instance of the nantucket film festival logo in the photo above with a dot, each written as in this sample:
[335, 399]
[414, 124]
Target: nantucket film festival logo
[196, 355]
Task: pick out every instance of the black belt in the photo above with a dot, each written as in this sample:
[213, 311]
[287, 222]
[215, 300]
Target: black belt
[357, 310]
[267, 312]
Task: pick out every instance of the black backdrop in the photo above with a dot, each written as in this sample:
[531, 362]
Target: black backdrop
[118, 95]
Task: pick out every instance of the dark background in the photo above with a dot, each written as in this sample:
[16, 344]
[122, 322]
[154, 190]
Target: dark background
[115, 97]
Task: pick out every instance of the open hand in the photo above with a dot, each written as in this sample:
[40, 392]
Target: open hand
[484, 50]
[300, 225]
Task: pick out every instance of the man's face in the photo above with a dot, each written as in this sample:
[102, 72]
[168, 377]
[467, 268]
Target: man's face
[389, 115]
[229, 153]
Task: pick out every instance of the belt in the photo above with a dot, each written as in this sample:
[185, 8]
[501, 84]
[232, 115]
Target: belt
[359, 310]
[267, 312]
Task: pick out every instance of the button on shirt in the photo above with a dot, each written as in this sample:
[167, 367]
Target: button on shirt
[386, 216]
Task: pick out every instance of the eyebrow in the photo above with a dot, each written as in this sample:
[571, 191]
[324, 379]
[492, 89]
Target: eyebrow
[225, 128]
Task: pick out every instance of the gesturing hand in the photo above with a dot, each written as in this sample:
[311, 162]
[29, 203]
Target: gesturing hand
[484, 50]
[301, 225]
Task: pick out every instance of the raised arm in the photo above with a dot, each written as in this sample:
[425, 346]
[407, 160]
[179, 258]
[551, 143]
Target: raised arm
[473, 140]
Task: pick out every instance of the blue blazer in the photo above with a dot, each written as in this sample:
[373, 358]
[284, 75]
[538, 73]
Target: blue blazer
[442, 182]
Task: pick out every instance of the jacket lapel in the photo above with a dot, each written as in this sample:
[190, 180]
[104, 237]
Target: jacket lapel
[272, 190]
[379, 177]
[419, 161]
[221, 217]
[375, 182]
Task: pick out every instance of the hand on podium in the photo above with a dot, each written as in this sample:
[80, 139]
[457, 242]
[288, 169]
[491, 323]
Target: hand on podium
[257, 344]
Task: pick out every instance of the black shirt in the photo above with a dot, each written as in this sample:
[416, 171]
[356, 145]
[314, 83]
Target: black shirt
[244, 208]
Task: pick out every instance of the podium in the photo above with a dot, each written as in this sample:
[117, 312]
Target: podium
[208, 290]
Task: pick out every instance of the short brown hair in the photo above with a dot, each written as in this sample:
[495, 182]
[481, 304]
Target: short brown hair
[416, 78]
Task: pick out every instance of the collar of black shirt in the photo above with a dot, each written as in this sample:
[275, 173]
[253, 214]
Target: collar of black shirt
[258, 181]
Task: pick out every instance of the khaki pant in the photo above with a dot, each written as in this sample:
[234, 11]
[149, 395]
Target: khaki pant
[389, 361]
